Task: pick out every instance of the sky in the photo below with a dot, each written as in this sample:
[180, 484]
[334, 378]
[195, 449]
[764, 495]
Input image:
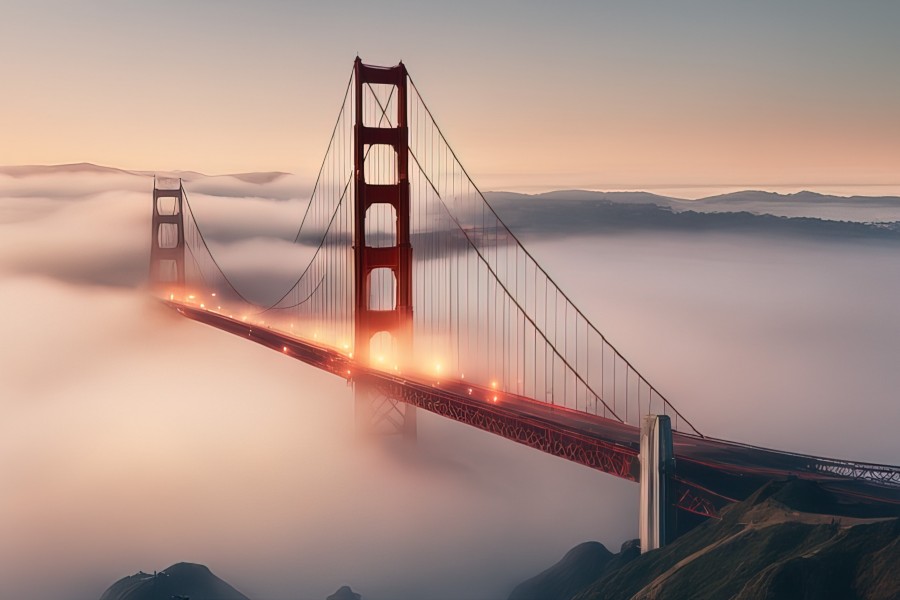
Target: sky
[532, 95]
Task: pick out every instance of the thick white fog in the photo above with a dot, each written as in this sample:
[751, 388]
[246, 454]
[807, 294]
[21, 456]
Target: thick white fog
[132, 439]
[791, 344]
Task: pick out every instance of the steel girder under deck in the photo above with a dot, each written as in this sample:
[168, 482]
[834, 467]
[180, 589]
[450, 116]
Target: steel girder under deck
[569, 444]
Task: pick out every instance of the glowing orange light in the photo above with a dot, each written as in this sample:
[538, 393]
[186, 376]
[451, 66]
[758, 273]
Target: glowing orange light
[202, 305]
[470, 391]
[171, 296]
[495, 398]
[284, 349]
[494, 384]
[214, 294]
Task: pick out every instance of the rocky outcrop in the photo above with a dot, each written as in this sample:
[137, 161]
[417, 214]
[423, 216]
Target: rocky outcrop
[344, 593]
[580, 567]
[183, 580]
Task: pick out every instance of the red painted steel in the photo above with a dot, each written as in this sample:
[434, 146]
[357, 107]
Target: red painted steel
[397, 257]
[398, 321]
[592, 452]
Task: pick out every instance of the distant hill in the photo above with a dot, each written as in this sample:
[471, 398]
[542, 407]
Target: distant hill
[261, 178]
[774, 545]
[804, 197]
[258, 178]
[20, 171]
[73, 168]
[861, 209]
[183, 580]
[585, 213]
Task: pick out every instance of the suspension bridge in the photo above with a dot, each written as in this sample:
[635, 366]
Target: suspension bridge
[417, 293]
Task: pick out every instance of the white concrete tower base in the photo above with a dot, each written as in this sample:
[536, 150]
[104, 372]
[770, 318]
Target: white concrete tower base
[657, 514]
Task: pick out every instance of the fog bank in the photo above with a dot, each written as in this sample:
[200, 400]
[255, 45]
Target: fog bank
[132, 439]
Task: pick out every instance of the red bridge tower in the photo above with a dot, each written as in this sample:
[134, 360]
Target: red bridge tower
[374, 411]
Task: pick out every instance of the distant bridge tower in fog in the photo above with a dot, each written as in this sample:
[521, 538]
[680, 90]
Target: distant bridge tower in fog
[167, 243]
[394, 224]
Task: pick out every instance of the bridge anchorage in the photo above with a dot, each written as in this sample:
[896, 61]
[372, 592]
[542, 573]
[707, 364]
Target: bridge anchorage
[417, 293]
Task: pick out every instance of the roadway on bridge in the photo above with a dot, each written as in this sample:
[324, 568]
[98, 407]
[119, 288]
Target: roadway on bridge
[718, 470]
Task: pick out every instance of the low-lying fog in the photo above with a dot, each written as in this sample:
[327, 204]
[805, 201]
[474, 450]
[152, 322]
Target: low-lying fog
[132, 439]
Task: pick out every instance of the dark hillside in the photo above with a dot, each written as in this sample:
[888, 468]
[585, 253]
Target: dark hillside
[781, 543]
[185, 580]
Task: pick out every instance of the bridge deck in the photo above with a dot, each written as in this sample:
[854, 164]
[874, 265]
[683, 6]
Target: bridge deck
[709, 472]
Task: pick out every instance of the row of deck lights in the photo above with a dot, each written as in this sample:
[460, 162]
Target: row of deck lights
[380, 359]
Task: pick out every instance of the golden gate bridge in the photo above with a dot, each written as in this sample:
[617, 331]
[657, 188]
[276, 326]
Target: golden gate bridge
[418, 293]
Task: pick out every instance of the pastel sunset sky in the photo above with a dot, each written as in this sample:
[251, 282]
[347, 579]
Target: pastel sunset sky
[798, 93]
